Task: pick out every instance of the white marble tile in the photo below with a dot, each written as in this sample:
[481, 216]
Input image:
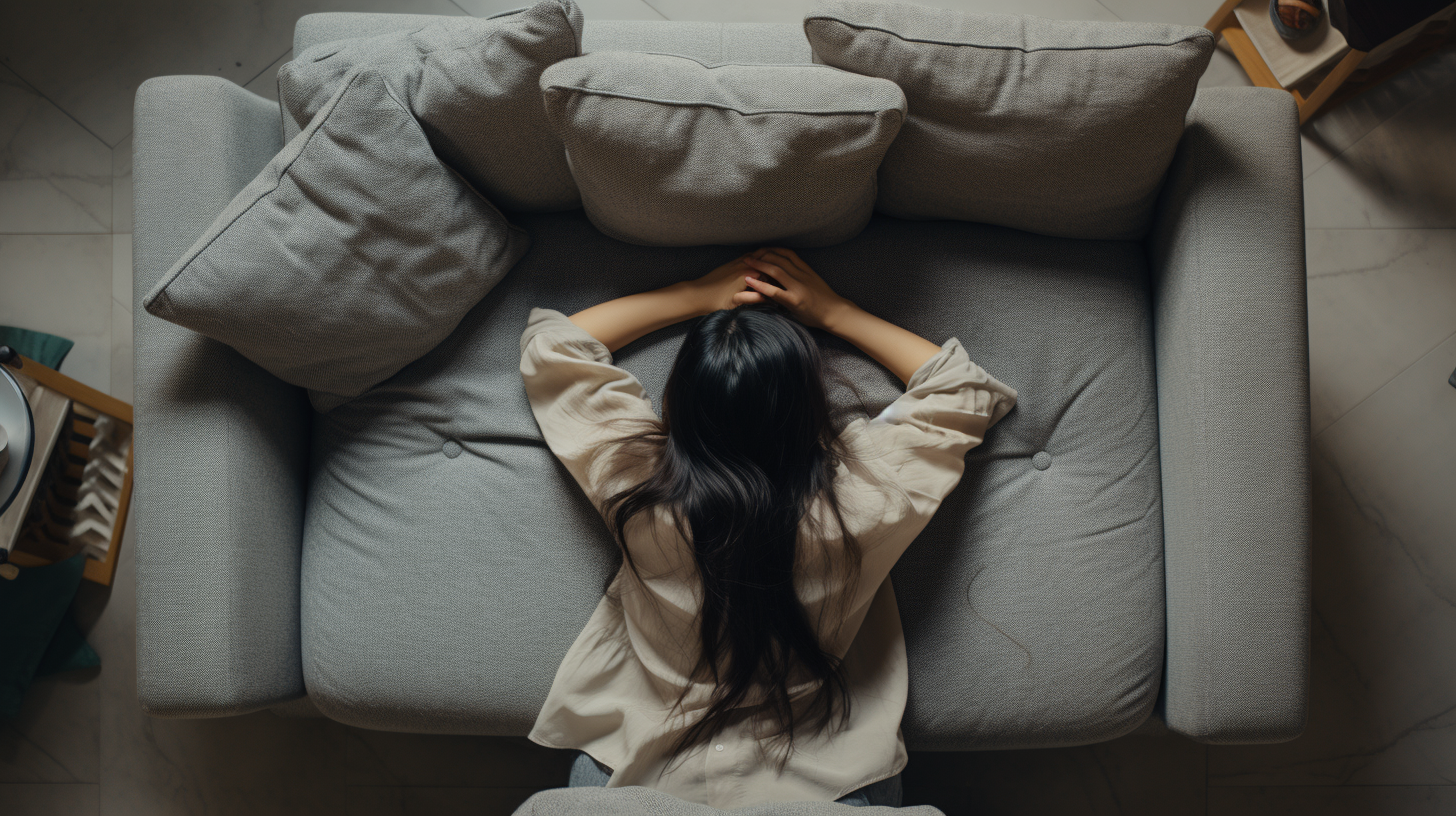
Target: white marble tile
[89, 58]
[1378, 301]
[1383, 703]
[61, 284]
[257, 763]
[265, 84]
[1384, 800]
[54, 176]
[121, 270]
[793, 11]
[1182, 12]
[1335, 128]
[54, 739]
[447, 760]
[121, 189]
[1400, 174]
[590, 9]
[49, 800]
[121, 353]
[1154, 775]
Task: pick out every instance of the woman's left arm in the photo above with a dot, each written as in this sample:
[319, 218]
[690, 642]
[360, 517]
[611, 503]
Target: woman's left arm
[618, 322]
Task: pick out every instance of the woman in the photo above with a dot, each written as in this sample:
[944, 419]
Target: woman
[749, 650]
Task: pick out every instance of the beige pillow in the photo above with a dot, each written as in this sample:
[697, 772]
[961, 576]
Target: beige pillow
[352, 254]
[472, 84]
[1056, 127]
[668, 151]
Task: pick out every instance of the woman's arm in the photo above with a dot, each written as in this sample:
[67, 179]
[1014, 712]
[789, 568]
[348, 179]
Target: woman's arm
[618, 322]
[814, 303]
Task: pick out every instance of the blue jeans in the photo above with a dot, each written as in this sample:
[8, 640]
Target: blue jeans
[587, 772]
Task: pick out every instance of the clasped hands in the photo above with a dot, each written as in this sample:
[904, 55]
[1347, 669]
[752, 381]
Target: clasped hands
[769, 274]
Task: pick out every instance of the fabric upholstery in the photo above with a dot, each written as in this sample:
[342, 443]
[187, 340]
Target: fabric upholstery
[472, 83]
[354, 252]
[493, 561]
[705, 42]
[636, 801]
[221, 446]
[1051, 126]
[670, 152]
[1227, 253]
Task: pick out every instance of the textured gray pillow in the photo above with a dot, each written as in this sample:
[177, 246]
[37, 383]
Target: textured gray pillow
[473, 86]
[1062, 128]
[353, 253]
[670, 152]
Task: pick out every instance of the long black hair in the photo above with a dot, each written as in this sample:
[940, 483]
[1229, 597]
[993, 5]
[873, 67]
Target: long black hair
[747, 444]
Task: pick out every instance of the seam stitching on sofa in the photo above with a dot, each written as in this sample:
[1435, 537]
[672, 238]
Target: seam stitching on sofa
[904, 38]
[690, 104]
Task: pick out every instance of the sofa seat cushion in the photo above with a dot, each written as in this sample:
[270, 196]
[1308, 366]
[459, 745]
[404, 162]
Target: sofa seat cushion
[669, 151]
[449, 560]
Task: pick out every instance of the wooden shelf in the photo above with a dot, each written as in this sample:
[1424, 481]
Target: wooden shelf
[72, 412]
[1314, 85]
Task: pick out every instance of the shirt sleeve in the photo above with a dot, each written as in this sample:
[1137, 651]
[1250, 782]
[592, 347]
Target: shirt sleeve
[948, 405]
[581, 401]
[917, 448]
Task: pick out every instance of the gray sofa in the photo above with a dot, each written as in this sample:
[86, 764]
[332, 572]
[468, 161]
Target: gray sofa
[1129, 549]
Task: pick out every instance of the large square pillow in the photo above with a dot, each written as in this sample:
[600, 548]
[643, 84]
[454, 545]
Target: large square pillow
[1056, 127]
[352, 254]
[668, 151]
[472, 83]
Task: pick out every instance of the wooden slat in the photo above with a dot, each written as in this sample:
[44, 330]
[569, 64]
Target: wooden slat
[1221, 17]
[1328, 85]
[1248, 56]
[77, 391]
[103, 572]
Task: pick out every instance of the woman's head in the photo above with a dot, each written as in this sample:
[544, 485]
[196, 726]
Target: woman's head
[747, 390]
[744, 449]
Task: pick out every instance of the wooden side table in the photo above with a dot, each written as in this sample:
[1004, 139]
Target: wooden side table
[1301, 69]
[77, 491]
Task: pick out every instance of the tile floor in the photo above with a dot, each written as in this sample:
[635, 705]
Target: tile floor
[1380, 197]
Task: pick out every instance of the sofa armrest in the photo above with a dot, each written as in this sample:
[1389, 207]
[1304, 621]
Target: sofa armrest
[221, 445]
[1227, 259]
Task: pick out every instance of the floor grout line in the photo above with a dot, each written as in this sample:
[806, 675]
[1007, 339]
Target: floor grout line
[1428, 352]
[260, 73]
[1110, 11]
[52, 102]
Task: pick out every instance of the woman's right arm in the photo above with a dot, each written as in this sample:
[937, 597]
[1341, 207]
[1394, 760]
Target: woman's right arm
[814, 303]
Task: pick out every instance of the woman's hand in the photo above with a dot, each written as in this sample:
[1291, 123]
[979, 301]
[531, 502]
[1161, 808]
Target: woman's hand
[723, 288]
[800, 289]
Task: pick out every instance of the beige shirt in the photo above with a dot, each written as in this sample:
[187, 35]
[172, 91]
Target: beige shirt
[615, 689]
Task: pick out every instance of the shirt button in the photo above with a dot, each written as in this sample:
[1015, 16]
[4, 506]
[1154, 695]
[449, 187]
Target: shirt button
[719, 746]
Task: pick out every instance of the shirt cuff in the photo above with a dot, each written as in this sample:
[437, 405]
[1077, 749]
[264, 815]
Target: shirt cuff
[551, 323]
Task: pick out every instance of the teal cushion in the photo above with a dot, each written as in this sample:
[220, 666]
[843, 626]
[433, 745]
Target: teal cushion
[46, 349]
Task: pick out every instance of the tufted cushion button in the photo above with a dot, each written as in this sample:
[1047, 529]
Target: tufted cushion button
[451, 448]
[1042, 460]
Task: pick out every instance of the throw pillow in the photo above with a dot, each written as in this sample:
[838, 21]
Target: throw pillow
[472, 83]
[668, 151]
[353, 253]
[1061, 128]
